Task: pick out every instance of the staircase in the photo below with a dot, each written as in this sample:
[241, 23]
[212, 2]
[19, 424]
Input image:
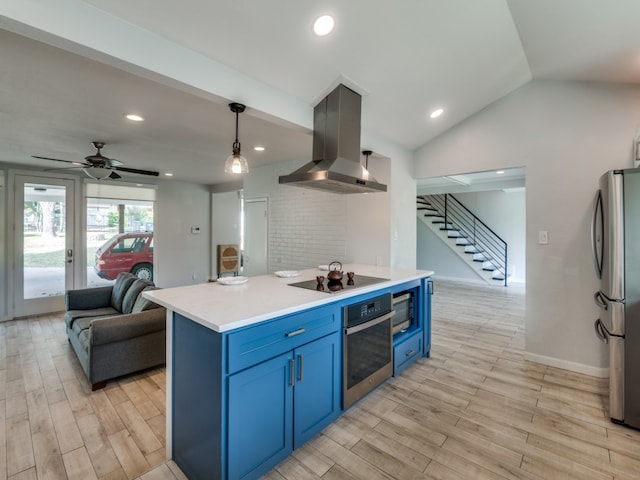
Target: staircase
[470, 238]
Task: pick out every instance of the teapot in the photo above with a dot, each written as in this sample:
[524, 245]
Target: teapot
[335, 274]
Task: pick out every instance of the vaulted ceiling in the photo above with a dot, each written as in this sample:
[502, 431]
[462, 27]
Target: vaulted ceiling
[71, 69]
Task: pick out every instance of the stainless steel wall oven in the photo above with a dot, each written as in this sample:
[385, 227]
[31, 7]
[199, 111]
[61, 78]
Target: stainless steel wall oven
[368, 346]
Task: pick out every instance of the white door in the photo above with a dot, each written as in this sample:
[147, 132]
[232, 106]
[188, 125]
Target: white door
[256, 237]
[43, 244]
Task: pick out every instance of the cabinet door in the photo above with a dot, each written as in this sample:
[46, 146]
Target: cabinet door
[260, 417]
[317, 387]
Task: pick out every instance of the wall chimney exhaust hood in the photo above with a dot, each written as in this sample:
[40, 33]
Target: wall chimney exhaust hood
[336, 148]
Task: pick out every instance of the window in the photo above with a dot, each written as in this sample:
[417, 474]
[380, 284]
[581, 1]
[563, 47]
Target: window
[119, 224]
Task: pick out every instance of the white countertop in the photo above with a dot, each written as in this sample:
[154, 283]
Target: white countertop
[227, 307]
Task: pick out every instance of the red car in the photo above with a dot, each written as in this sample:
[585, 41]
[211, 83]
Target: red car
[126, 252]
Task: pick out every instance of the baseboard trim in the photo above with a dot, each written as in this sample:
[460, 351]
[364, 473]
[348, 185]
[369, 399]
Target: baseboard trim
[600, 372]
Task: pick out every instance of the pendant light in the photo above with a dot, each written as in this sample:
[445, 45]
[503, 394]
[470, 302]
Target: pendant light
[236, 163]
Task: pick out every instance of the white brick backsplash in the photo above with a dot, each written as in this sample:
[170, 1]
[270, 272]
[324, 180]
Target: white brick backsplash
[307, 228]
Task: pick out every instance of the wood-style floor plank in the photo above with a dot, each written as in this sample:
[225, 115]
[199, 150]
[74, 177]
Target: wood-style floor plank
[476, 409]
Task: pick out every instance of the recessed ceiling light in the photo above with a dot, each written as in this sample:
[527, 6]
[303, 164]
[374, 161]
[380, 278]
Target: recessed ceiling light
[436, 113]
[258, 148]
[168, 174]
[323, 25]
[499, 172]
[135, 118]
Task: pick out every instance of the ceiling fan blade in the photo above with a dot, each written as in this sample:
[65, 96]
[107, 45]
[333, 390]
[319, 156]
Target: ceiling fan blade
[135, 170]
[61, 168]
[113, 162]
[114, 176]
[80, 164]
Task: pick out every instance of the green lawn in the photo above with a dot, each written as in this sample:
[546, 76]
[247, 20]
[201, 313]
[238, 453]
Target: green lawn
[50, 252]
[54, 258]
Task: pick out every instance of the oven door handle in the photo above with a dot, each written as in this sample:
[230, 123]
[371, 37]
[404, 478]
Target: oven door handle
[369, 324]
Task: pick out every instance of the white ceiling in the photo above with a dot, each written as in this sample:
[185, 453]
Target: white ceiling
[405, 58]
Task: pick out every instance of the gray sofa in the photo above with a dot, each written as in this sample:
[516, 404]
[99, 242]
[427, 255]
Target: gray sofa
[114, 330]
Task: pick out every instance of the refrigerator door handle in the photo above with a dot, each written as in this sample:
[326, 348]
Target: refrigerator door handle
[597, 244]
[601, 301]
[601, 331]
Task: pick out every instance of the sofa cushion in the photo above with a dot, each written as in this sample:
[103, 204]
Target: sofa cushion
[142, 303]
[120, 287]
[133, 292]
[72, 315]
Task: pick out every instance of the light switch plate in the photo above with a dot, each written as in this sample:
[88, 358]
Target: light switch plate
[543, 237]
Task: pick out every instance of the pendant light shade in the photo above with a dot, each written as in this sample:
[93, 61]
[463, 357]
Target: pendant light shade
[235, 162]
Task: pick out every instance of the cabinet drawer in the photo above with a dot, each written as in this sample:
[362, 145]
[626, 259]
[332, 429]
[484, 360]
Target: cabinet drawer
[266, 340]
[407, 352]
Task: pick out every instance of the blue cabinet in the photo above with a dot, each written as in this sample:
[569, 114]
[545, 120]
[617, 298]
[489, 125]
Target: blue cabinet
[278, 405]
[407, 351]
[317, 387]
[261, 413]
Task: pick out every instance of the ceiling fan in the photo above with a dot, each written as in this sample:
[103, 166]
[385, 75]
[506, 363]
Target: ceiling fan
[97, 166]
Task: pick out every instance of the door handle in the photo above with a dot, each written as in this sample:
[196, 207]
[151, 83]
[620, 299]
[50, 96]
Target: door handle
[597, 253]
[292, 368]
[300, 368]
[600, 300]
[601, 331]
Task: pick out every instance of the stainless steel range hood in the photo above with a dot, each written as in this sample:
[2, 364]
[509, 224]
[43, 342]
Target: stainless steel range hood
[336, 148]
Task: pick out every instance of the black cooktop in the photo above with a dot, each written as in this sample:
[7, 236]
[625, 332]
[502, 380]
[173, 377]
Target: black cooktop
[336, 287]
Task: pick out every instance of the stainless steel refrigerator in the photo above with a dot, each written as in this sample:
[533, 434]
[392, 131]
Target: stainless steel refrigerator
[616, 246]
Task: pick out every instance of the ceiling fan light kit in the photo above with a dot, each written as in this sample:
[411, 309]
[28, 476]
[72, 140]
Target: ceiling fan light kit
[97, 173]
[235, 162]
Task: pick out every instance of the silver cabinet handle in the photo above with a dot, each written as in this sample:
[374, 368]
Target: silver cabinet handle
[409, 353]
[295, 332]
[292, 368]
[300, 368]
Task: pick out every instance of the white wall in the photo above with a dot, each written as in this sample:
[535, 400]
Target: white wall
[225, 223]
[567, 135]
[402, 190]
[182, 258]
[368, 220]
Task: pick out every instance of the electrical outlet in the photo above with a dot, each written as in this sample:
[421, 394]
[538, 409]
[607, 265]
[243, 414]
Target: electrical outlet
[543, 237]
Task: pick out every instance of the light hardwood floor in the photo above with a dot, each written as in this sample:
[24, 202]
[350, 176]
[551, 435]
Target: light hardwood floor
[474, 410]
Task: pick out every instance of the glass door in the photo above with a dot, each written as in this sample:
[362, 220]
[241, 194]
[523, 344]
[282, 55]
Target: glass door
[43, 245]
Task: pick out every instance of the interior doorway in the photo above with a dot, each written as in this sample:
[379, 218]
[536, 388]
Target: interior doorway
[256, 231]
[496, 199]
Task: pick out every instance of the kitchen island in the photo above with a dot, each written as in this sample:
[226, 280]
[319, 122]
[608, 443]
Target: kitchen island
[255, 370]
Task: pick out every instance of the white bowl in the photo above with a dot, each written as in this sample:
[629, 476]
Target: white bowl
[286, 273]
[233, 280]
